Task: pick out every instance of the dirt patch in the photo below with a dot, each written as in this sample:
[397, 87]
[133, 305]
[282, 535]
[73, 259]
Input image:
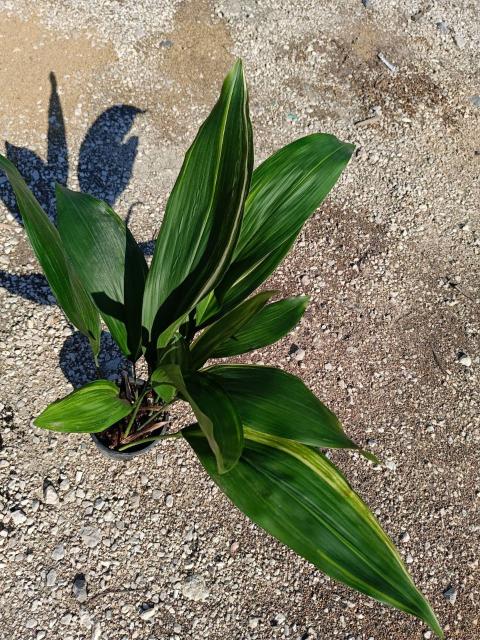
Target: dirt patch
[192, 61]
[34, 51]
[352, 62]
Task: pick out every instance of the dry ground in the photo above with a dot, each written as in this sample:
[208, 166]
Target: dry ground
[392, 336]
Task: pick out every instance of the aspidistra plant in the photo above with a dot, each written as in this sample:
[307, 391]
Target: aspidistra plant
[258, 430]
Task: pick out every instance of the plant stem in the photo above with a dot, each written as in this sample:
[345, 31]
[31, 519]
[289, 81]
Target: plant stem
[142, 432]
[134, 414]
[152, 407]
[152, 439]
[151, 418]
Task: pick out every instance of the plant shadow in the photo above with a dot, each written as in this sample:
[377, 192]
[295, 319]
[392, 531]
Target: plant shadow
[76, 359]
[105, 165]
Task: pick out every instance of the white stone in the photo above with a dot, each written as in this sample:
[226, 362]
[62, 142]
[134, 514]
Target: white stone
[194, 588]
[50, 496]
[299, 354]
[148, 614]
[85, 620]
[59, 552]
[51, 578]
[253, 623]
[18, 517]
[465, 360]
[91, 536]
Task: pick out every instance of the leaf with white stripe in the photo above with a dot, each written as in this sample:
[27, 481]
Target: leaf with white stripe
[204, 213]
[300, 497]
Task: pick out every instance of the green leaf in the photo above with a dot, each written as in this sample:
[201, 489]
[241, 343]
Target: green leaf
[90, 409]
[162, 384]
[108, 261]
[300, 497]
[285, 190]
[218, 420]
[276, 402]
[216, 334]
[164, 377]
[204, 212]
[212, 308]
[266, 327]
[48, 248]
[215, 412]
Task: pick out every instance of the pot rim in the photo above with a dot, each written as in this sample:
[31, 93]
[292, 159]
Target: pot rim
[141, 449]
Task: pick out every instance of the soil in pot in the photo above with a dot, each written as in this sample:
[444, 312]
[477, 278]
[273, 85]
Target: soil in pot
[149, 421]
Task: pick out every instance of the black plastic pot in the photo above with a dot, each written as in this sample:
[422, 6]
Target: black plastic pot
[133, 452]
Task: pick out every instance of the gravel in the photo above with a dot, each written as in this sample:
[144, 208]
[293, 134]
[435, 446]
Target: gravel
[391, 265]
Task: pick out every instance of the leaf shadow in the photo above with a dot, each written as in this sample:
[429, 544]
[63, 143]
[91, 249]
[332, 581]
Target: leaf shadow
[39, 174]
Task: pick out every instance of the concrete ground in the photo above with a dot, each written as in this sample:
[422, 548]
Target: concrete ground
[150, 549]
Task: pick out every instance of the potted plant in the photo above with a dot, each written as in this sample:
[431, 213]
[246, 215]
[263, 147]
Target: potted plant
[258, 430]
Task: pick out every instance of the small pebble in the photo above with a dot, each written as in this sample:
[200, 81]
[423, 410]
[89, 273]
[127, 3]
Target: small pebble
[169, 501]
[450, 594]
[405, 537]
[18, 517]
[59, 552]
[194, 588]
[442, 26]
[148, 614]
[50, 496]
[79, 587]
[51, 578]
[99, 504]
[91, 536]
[464, 360]
[253, 623]
[278, 619]
[459, 40]
[85, 620]
[96, 631]
[298, 354]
